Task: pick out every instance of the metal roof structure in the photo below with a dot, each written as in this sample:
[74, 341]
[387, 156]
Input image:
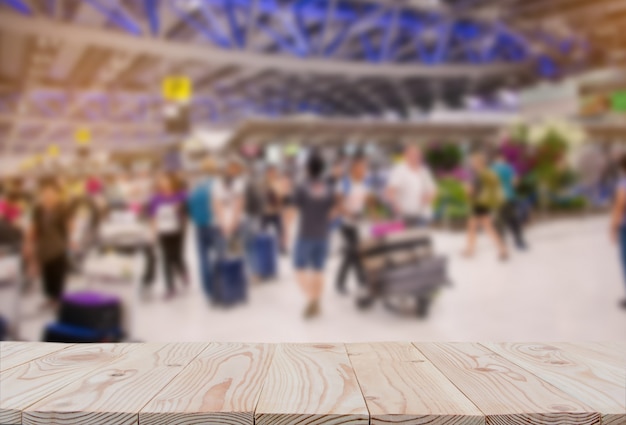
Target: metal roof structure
[338, 131]
[99, 64]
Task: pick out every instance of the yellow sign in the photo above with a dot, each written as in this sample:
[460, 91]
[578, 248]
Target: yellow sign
[177, 88]
[53, 151]
[82, 136]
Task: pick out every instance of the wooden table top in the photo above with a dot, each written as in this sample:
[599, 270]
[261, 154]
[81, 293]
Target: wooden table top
[311, 384]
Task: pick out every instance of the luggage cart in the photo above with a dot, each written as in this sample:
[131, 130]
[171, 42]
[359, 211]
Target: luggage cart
[116, 268]
[402, 270]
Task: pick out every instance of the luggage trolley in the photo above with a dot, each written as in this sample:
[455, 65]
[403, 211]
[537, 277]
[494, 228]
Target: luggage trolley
[402, 270]
[116, 267]
[10, 291]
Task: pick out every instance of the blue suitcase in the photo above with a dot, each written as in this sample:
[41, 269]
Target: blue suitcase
[61, 332]
[231, 285]
[266, 256]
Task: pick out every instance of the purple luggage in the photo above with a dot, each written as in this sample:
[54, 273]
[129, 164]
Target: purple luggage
[91, 310]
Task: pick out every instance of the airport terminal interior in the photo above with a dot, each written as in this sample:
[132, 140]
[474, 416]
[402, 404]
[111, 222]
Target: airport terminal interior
[312, 170]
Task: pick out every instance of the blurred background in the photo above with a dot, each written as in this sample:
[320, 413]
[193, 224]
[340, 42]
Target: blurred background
[312, 170]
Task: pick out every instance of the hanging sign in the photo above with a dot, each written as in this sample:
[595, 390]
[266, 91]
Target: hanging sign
[82, 136]
[177, 88]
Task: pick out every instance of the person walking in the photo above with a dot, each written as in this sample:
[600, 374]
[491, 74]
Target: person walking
[168, 212]
[48, 240]
[355, 193]
[618, 218]
[228, 206]
[509, 212]
[411, 189]
[486, 198]
[273, 206]
[200, 207]
[315, 201]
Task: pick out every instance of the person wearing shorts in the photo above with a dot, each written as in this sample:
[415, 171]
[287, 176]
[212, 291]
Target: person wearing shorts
[486, 198]
[315, 202]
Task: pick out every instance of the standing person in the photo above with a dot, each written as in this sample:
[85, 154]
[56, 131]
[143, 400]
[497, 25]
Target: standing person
[200, 207]
[618, 220]
[355, 193]
[48, 239]
[509, 213]
[168, 212]
[228, 207]
[85, 217]
[273, 204]
[411, 189]
[315, 201]
[486, 198]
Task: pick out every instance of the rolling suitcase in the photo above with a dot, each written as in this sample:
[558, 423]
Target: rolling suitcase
[91, 310]
[266, 257]
[231, 285]
[62, 332]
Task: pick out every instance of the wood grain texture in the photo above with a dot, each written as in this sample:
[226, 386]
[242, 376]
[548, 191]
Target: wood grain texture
[597, 384]
[16, 353]
[401, 386]
[114, 394]
[221, 386]
[505, 392]
[24, 385]
[311, 384]
[610, 353]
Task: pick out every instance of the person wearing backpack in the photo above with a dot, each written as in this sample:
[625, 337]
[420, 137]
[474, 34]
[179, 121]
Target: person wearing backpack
[199, 205]
[354, 193]
[486, 198]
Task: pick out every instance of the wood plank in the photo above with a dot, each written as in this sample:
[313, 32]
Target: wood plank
[401, 386]
[311, 384]
[114, 395]
[222, 386]
[597, 384]
[610, 353]
[26, 384]
[505, 392]
[16, 353]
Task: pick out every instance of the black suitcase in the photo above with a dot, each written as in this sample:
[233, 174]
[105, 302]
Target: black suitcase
[61, 332]
[91, 310]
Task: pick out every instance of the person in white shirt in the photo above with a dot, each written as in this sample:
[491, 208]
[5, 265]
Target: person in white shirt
[228, 204]
[411, 189]
[354, 193]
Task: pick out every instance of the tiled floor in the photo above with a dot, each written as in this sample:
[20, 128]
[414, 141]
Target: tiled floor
[566, 287]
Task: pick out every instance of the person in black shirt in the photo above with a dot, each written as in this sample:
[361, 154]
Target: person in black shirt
[315, 202]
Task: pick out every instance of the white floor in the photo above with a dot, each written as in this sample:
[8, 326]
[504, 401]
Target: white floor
[567, 287]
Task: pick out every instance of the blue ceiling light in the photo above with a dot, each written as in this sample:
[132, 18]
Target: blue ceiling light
[547, 67]
[366, 44]
[19, 5]
[151, 8]
[231, 12]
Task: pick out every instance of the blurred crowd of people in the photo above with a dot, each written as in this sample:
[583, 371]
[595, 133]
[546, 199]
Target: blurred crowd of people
[230, 200]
